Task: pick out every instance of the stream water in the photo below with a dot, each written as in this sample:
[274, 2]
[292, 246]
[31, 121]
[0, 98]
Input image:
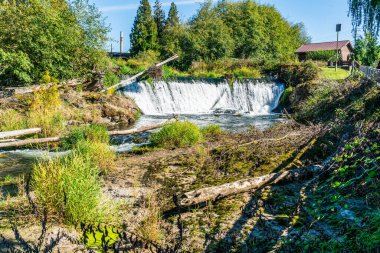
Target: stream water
[234, 107]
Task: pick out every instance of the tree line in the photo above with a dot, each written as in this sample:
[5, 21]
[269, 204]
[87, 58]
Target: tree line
[244, 29]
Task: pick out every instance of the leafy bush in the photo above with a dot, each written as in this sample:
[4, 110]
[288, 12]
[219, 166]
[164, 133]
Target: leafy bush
[211, 131]
[179, 134]
[295, 74]
[15, 68]
[325, 56]
[70, 187]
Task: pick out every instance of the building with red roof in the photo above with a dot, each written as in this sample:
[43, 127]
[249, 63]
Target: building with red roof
[344, 47]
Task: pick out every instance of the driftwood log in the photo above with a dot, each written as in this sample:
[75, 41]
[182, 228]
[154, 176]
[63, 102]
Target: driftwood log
[21, 143]
[15, 144]
[203, 195]
[18, 133]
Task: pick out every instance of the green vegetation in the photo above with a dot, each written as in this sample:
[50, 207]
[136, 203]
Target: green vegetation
[92, 142]
[144, 31]
[294, 74]
[70, 188]
[367, 50]
[323, 56]
[176, 135]
[211, 131]
[64, 38]
[217, 32]
[330, 73]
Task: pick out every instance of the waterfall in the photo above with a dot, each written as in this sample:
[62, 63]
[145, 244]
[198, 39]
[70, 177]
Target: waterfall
[256, 97]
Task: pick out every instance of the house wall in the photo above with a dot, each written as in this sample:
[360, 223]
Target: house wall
[345, 51]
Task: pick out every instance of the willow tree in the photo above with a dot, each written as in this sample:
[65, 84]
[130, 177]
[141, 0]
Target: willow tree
[365, 14]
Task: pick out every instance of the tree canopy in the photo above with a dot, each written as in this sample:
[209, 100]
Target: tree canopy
[62, 38]
[365, 14]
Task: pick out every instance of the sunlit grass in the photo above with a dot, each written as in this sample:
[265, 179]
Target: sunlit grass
[330, 73]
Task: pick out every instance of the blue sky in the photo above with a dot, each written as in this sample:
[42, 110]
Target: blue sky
[319, 16]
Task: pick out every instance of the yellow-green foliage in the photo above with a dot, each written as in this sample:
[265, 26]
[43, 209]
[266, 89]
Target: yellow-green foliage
[245, 72]
[92, 142]
[70, 188]
[99, 153]
[47, 78]
[179, 134]
[10, 119]
[211, 131]
[46, 111]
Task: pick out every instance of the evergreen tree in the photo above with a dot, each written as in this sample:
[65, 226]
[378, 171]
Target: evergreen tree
[159, 18]
[172, 34]
[173, 19]
[144, 31]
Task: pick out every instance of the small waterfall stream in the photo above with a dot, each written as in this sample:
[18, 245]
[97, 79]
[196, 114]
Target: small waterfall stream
[254, 97]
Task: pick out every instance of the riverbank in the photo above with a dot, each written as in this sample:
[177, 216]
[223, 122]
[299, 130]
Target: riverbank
[335, 125]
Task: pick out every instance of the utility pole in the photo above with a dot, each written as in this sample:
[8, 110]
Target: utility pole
[338, 29]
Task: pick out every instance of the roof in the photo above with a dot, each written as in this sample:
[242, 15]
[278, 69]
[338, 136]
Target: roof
[323, 46]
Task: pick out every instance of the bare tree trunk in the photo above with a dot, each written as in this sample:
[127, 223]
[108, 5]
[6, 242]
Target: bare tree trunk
[215, 192]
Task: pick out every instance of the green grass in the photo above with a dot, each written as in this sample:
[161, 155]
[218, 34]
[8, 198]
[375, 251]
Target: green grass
[330, 73]
[179, 134]
[70, 188]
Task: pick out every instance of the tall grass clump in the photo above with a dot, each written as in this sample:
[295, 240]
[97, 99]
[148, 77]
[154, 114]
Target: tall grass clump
[178, 134]
[211, 131]
[93, 142]
[149, 227]
[70, 188]
[10, 119]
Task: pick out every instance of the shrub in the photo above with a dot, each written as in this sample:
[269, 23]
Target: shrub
[245, 72]
[298, 73]
[179, 134]
[70, 187]
[211, 131]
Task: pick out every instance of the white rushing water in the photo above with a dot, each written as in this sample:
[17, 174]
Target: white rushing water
[255, 97]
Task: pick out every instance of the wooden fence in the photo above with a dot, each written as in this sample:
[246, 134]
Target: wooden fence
[371, 73]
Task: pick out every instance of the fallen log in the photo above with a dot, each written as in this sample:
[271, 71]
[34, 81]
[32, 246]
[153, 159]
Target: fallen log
[15, 144]
[20, 143]
[18, 133]
[142, 129]
[200, 196]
